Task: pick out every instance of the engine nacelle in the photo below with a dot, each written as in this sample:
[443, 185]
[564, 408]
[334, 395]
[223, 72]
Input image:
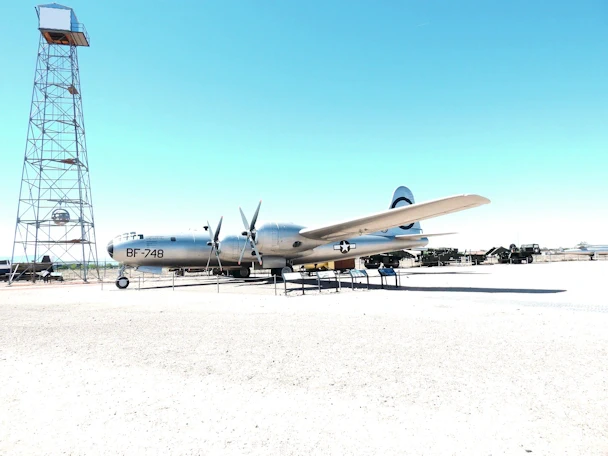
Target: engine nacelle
[278, 239]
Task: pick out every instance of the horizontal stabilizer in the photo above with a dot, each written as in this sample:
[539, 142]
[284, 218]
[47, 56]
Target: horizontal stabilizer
[420, 235]
[394, 217]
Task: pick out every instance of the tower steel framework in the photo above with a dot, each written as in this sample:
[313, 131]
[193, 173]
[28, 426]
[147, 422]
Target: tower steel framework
[55, 211]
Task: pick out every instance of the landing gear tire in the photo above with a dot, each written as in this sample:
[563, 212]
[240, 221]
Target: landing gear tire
[279, 271]
[530, 259]
[242, 273]
[122, 283]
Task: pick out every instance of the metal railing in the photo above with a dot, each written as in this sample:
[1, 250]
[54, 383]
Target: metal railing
[262, 282]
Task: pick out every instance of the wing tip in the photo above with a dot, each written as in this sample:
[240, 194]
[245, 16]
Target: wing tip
[478, 198]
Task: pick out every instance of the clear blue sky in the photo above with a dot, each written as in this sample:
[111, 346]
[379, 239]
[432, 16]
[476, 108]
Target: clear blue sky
[322, 108]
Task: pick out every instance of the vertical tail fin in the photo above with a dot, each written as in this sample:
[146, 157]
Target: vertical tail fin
[403, 196]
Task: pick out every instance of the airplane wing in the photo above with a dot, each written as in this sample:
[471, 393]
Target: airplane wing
[420, 235]
[393, 217]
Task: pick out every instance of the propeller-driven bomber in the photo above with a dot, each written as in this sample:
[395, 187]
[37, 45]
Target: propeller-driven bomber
[280, 246]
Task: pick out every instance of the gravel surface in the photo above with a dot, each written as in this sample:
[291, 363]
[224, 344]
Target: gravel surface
[504, 359]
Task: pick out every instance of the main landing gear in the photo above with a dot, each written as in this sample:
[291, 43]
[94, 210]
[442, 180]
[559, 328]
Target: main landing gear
[242, 273]
[122, 282]
[279, 271]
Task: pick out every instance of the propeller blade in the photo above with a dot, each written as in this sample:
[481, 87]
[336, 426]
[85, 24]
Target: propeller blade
[210, 244]
[214, 237]
[245, 222]
[255, 217]
[243, 251]
[250, 233]
[219, 227]
[209, 259]
[257, 254]
[210, 230]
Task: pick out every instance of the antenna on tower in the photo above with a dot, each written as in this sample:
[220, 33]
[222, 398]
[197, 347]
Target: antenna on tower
[55, 211]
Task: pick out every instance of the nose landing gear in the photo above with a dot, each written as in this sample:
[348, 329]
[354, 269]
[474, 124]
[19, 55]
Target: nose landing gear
[122, 282]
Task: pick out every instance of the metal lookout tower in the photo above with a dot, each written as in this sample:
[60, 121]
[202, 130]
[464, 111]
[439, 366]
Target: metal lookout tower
[55, 213]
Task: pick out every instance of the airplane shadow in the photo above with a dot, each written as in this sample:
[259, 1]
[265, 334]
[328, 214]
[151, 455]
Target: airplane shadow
[445, 273]
[181, 285]
[312, 284]
[209, 283]
[484, 290]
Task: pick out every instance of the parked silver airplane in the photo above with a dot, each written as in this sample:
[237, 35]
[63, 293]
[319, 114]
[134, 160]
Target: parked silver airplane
[586, 249]
[277, 245]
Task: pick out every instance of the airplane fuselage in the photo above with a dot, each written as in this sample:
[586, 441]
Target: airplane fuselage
[589, 250]
[279, 244]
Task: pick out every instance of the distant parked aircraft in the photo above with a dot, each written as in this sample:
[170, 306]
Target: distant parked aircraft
[586, 249]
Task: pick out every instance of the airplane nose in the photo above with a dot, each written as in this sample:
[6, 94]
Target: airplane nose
[111, 249]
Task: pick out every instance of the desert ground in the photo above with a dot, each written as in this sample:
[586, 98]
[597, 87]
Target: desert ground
[492, 359]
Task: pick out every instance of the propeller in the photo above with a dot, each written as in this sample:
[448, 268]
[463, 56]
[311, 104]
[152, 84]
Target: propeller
[215, 243]
[251, 233]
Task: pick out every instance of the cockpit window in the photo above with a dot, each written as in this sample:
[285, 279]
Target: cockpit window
[172, 239]
[128, 236]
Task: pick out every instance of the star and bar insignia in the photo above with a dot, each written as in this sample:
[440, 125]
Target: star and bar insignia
[344, 246]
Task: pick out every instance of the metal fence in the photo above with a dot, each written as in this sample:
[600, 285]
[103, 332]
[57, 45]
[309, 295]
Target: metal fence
[260, 281]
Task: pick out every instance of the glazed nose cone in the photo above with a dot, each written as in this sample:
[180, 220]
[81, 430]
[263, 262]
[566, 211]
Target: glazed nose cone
[110, 248]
